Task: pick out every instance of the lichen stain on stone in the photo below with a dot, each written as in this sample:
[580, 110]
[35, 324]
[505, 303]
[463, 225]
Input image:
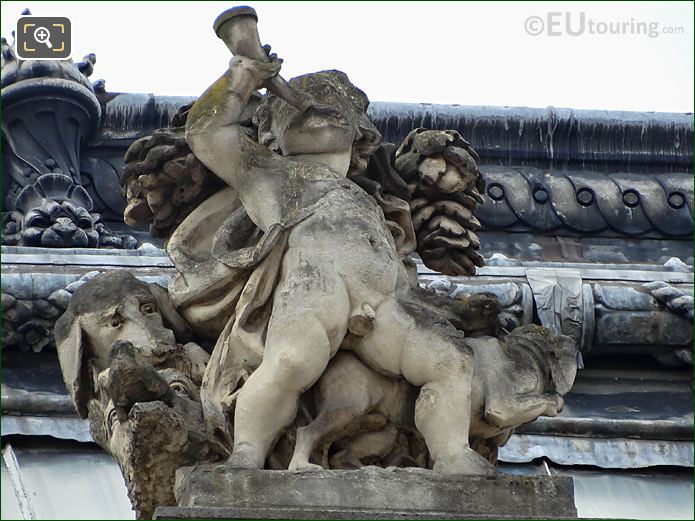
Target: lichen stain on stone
[205, 109]
[426, 400]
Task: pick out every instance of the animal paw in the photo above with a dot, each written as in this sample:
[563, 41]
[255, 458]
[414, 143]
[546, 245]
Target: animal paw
[556, 405]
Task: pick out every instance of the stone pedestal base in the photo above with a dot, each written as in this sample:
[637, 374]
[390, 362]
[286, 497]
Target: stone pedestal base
[217, 491]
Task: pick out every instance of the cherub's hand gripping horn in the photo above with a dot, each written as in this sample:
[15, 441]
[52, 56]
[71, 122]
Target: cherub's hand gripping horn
[238, 29]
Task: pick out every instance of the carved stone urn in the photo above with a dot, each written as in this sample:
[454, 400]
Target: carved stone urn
[49, 112]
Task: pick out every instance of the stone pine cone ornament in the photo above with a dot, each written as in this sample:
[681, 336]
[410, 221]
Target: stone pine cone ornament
[162, 180]
[445, 184]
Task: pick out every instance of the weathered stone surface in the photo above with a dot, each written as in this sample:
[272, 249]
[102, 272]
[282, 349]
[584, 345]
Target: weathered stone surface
[139, 388]
[512, 382]
[285, 261]
[369, 493]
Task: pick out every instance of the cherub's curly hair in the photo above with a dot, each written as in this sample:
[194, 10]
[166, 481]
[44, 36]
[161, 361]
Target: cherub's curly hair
[332, 88]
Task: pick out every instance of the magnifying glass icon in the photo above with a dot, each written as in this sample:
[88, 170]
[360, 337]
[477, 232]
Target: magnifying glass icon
[43, 35]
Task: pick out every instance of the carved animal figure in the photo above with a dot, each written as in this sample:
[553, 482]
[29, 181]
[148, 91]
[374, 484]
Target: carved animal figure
[514, 382]
[133, 379]
[139, 387]
[156, 439]
[112, 307]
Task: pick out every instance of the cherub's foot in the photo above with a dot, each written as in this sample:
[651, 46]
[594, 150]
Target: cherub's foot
[467, 462]
[304, 466]
[244, 456]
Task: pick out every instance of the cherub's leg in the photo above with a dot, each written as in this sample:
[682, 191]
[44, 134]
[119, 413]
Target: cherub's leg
[433, 355]
[308, 323]
[267, 402]
[443, 408]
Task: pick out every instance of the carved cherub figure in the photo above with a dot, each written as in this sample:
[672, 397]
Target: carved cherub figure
[290, 237]
[337, 268]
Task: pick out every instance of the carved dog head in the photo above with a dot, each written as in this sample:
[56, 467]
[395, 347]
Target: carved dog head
[558, 352]
[110, 307]
[115, 340]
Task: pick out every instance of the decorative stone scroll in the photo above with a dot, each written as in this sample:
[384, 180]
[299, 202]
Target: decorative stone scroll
[583, 202]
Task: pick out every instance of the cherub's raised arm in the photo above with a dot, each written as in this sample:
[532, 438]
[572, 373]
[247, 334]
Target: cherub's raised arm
[213, 128]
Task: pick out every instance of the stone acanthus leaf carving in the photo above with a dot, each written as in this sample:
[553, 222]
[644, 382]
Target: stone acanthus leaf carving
[54, 212]
[28, 323]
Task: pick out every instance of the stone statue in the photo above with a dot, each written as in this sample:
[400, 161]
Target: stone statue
[327, 258]
[290, 226]
[141, 393]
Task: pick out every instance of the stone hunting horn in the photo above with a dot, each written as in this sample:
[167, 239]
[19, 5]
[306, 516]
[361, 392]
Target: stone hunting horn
[238, 29]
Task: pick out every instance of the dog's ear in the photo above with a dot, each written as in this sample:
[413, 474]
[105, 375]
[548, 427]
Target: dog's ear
[172, 319]
[563, 363]
[71, 355]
